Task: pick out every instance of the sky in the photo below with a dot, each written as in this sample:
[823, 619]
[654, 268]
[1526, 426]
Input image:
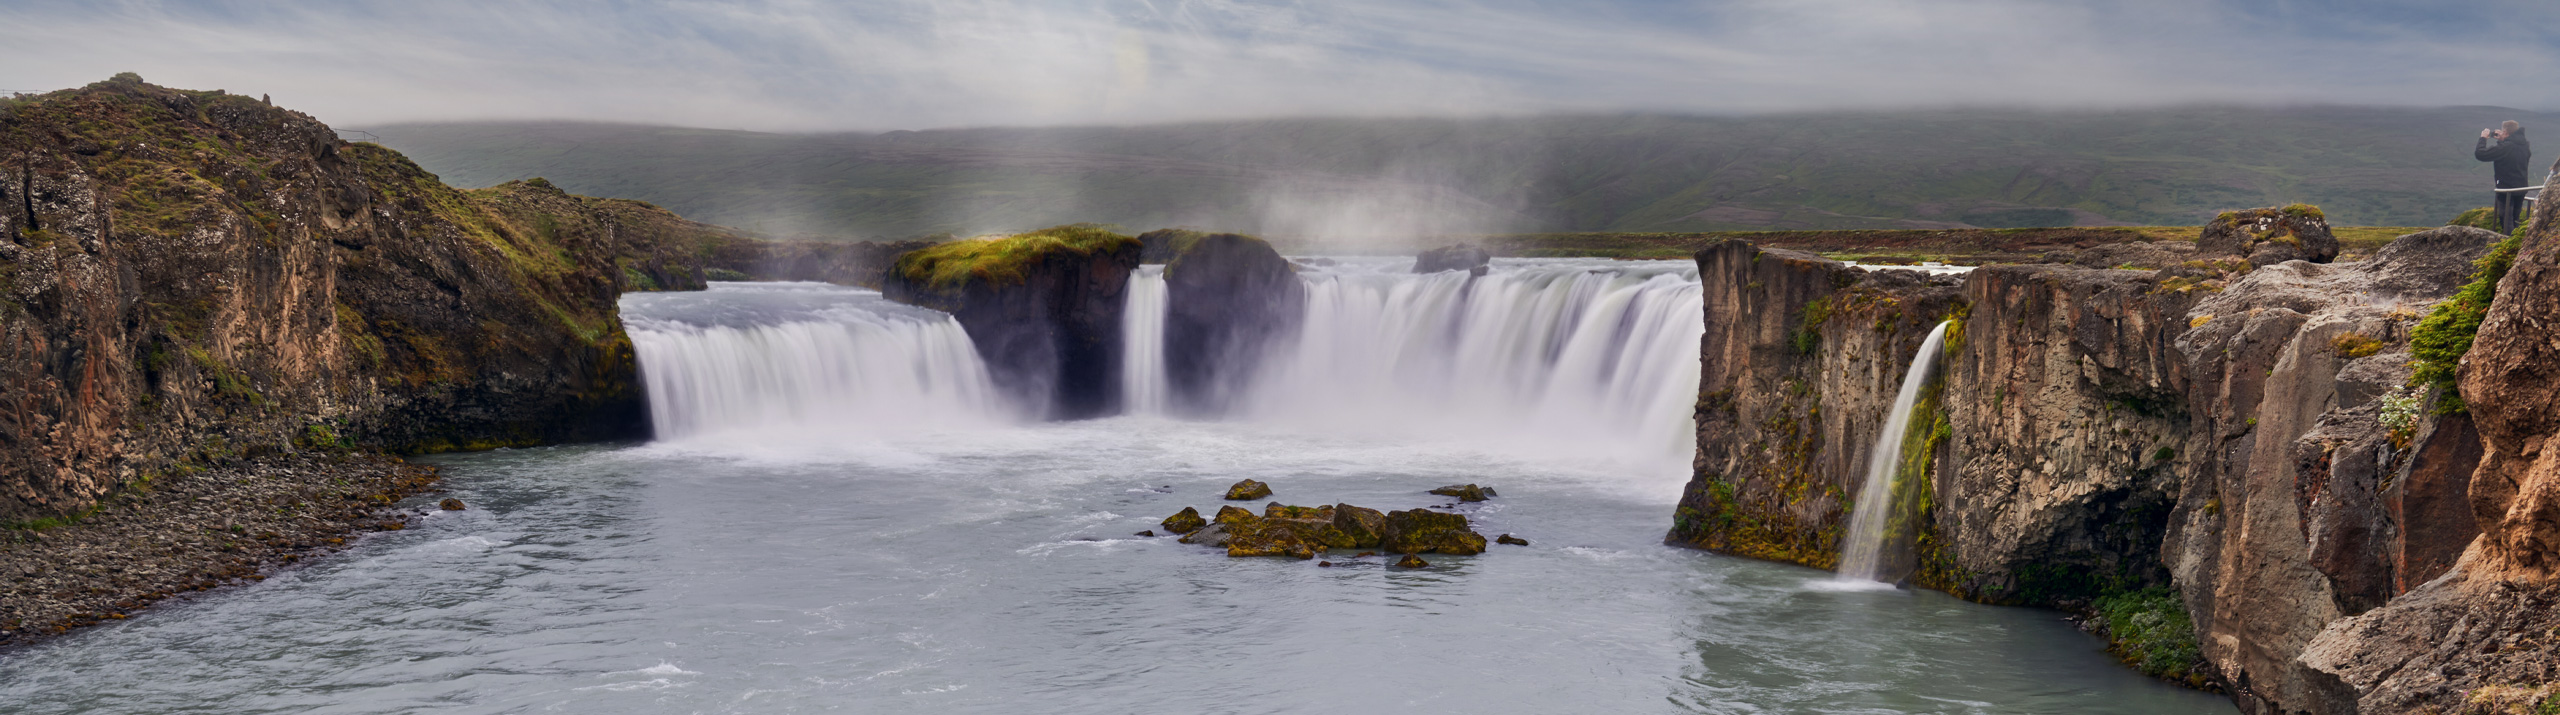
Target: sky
[797, 65]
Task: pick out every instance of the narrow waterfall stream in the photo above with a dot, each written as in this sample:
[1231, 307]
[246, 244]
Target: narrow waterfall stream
[1142, 359]
[1861, 557]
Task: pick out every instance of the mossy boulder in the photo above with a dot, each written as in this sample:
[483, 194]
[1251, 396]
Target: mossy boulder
[1233, 515]
[1465, 492]
[1300, 538]
[1248, 490]
[1419, 531]
[1277, 510]
[1366, 527]
[1187, 521]
[2269, 236]
[1411, 561]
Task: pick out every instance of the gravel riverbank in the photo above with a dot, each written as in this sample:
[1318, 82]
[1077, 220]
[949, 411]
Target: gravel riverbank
[191, 531]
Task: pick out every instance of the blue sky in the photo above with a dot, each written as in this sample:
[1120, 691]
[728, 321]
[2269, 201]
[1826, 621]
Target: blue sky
[892, 64]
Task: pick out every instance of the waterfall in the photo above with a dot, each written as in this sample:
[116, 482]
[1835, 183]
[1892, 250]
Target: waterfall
[1590, 357]
[1861, 557]
[808, 357]
[1142, 375]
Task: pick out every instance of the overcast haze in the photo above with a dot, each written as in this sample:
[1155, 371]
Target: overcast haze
[921, 64]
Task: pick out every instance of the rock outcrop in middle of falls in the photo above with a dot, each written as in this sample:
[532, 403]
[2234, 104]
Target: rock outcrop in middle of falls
[1043, 309]
[1231, 299]
[1457, 257]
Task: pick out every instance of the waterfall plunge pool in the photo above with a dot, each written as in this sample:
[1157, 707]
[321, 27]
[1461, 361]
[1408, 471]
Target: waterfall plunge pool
[957, 561]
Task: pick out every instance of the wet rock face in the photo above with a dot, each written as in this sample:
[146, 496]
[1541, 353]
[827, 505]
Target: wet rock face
[1230, 300]
[2270, 235]
[1247, 490]
[1187, 521]
[1801, 359]
[189, 276]
[2068, 431]
[1459, 257]
[1052, 340]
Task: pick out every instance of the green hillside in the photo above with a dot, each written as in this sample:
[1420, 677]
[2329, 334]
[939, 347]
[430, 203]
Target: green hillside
[1642, 173]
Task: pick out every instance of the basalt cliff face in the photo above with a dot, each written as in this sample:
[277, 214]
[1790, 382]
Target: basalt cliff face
[190, 276]
[1043, 309]
[2238, 434]
[1231, 298]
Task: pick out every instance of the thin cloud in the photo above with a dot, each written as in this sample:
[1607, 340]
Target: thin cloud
[799, 65]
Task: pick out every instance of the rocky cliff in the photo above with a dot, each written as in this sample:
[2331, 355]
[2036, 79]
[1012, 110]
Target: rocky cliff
[1229, 299]
[2485, 635]
[1801, 359]
[2236, 432]
[188, 276]
[1043, 309]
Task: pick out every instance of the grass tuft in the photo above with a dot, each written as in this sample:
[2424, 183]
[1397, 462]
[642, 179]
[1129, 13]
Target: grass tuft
[1006, 260]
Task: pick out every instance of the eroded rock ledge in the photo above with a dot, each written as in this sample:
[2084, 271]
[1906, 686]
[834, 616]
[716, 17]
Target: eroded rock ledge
[2233, 430]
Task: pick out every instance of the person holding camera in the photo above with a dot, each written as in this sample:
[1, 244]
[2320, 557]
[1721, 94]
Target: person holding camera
[2507, 158]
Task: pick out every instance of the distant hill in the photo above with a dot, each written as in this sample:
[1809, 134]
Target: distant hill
[1945, 169]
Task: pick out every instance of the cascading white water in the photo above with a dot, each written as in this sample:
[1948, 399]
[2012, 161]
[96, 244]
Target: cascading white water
[1142, 372]
[1861, 555]
[1586, 357]
[807, 357]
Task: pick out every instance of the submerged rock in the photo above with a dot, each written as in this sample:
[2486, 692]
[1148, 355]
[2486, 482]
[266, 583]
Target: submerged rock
[1411, 561]
[450, 505]
[1465, 492]
[1185, 522]
[1422, 531]
[1211, 535]
[1150, 533]
[1512, 540]
[1248, 490]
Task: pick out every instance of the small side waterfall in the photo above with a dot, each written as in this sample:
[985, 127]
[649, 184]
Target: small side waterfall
[1862, 555]
[814, 358]
[1142, 371]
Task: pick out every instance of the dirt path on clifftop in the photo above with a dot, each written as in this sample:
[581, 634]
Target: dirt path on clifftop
[194, 531]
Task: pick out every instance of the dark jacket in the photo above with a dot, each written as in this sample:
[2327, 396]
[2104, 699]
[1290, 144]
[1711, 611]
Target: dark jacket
[2508, 156]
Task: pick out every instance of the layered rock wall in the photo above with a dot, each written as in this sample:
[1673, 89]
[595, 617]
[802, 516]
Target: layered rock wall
[193, 276]
[2242, 436]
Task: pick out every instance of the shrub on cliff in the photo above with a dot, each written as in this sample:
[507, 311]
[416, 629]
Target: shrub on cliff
[1005, 260]
[2151, 631]
[2441, 339]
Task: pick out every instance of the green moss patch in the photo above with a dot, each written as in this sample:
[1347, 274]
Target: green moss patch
[2440, 340]
[1006, 260]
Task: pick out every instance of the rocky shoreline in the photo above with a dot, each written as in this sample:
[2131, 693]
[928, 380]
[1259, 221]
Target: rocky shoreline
[195, 529]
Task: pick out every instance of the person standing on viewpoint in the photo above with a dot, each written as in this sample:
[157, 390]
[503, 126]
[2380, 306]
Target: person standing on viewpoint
[2507, 158]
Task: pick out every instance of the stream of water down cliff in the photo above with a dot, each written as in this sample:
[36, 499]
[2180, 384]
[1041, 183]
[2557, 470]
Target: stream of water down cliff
[840, 515]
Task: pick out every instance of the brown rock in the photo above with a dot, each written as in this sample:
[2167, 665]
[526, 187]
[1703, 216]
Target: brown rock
[2270, 235]
[1423, 531]
[1365, 527]
[1277, 510]
[450, 504]
[1231, 515]
[1411, 561]
[1465, 492]
[1150, 533]
[1512, 540]
[1248, 490]
[1184, 522]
